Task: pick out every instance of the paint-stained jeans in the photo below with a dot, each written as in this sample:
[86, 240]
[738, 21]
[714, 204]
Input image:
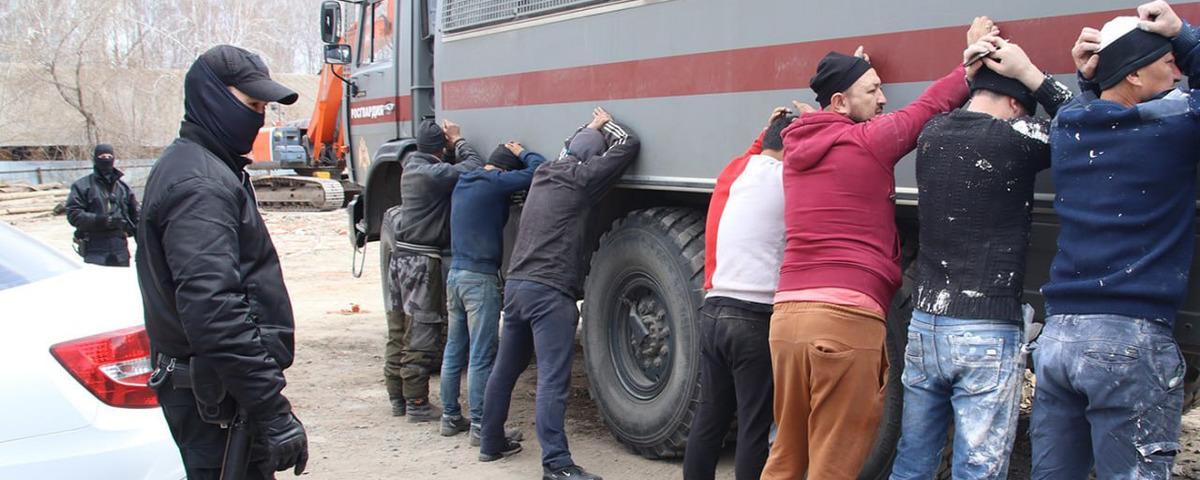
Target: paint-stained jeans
[966, 371]
[1109, 393]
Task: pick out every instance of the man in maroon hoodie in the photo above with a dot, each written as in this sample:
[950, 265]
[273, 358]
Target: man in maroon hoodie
[841, 263]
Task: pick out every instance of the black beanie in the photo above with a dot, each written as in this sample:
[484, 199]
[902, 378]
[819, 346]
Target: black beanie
[986, 79]
[430, 137]
[503, 158]
[835, 74]
[102, 149]
[1125, 50]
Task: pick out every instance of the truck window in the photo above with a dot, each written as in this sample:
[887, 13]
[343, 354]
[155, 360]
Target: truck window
[462, 15]
[376, 41]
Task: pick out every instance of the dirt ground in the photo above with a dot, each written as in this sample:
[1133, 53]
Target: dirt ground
[337, 387]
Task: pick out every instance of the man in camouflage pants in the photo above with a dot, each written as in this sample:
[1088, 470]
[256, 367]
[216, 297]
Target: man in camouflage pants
[422, 226]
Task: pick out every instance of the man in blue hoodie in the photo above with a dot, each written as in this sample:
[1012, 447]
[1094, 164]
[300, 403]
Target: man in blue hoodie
[1123, 156]
[478, 212]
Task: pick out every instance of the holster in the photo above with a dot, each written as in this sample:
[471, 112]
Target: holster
[212, 401]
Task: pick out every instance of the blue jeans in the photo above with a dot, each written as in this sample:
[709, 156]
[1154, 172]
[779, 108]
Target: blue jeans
[969, 372]
[473, 305]
[1109, 393]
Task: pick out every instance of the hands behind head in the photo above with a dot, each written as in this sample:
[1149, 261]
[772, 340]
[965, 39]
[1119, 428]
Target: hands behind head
[515, 148]
[1158, 17]
[599, 118]
[981, 27]
[453, 132]
[984, 46]
[1010, 60]
[858, 52]
[802, 108]
[1084, 52]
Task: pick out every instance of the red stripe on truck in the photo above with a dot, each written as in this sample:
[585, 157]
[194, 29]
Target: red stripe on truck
[911, 56]
[381, 110]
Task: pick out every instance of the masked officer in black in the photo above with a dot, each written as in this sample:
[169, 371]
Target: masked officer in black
[217, 310]
[103, 211]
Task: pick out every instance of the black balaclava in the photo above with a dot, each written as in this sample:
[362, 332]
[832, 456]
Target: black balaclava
[208, 103]
[103, 166]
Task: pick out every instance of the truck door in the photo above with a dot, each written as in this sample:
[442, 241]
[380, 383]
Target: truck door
[375, 109]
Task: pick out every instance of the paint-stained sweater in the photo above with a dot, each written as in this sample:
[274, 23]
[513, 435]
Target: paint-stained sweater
[1125, 179]
[976, 175]
[839, 190]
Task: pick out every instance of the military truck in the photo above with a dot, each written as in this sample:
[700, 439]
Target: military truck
[695, 79]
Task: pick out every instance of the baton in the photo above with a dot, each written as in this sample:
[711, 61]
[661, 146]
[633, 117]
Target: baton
[237, 449]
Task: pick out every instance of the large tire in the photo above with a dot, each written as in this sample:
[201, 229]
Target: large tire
[640, 334]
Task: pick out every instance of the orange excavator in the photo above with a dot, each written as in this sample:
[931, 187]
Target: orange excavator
[315, 150]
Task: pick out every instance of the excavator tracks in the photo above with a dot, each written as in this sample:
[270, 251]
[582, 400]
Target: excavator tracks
[298, 194]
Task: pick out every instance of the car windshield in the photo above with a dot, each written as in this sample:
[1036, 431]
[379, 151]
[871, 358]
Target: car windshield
[25, 260]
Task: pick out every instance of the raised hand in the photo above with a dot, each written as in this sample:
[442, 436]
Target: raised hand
[599, 118]
[1158, 17]
[453, 131]
[981, 27]
[1084, 52]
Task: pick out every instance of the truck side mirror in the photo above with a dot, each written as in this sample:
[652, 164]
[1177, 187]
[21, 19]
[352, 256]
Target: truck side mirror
[331, 21]
[337, 54]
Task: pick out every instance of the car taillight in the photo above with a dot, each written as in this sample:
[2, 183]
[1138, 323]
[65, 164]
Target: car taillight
[114, 366]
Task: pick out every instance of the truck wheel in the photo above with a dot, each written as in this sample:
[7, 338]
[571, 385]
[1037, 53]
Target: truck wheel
[640, 336]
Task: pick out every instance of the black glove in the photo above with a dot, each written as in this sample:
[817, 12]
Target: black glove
[286, 442]
[113, 220]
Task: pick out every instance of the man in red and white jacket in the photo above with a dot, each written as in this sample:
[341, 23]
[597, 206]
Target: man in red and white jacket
[841, 262]
[744, 241]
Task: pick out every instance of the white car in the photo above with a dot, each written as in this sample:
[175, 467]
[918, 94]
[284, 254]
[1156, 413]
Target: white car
[74, 359]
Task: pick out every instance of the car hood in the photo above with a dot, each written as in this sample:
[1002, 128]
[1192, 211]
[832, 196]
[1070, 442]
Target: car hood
[40, 396]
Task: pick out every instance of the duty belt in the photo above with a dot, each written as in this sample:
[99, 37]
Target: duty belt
[177, 371]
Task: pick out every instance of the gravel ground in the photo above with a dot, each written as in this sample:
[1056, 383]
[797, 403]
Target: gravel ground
[337, 387]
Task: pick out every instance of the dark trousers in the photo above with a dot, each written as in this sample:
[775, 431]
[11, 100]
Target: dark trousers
[735, 377]
[107, 251]
[542, 319]
[202, 445]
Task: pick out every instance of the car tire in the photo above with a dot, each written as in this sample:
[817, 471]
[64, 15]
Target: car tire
[640, 328]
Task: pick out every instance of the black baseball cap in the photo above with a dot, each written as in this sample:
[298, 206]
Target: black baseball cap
[239, 68]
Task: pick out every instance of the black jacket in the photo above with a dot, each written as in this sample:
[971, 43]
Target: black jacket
[94, 197]
[210, 277]
[550, 242]
[425, 188]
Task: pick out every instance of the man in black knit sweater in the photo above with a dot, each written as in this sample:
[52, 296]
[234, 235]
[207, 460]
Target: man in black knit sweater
[975, 169]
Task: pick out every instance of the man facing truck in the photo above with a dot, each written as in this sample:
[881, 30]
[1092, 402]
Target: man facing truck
[1123, 156]
[841, 264]
[544, 282]
[478, 213]
[422, 234]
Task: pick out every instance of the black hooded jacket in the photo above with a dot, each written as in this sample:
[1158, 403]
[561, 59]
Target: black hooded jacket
[210, 278]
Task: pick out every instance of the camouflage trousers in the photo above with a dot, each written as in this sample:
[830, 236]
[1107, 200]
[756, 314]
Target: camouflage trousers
[415, 324]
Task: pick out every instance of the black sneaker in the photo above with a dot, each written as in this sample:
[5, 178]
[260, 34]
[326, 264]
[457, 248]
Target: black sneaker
[511, 434]
[570, 472]
[510, 448]
[455, 425]
[398, 407]
[419, 411]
